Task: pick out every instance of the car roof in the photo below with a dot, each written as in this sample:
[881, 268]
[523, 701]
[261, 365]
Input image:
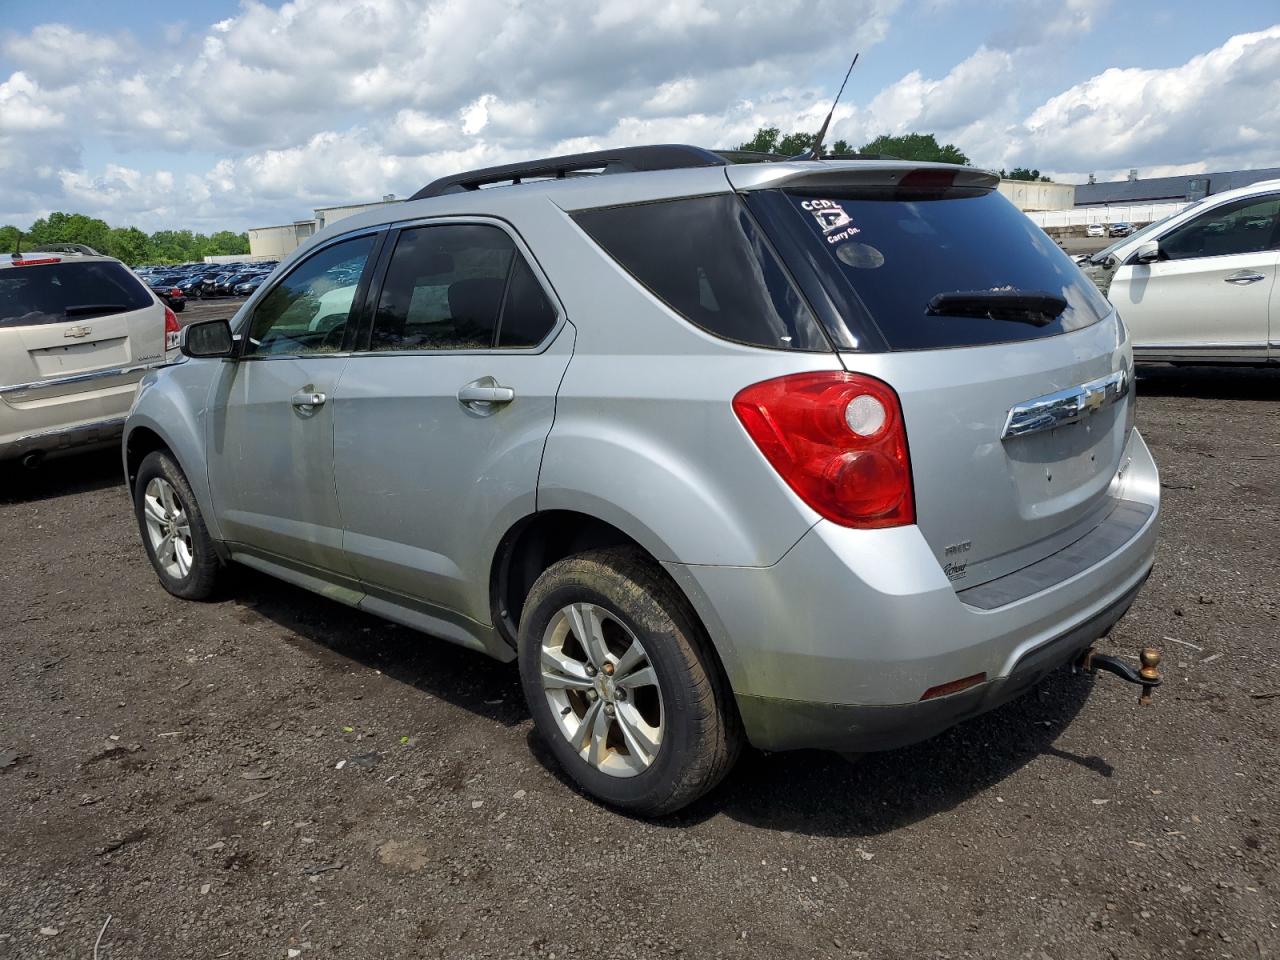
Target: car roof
[571, 191]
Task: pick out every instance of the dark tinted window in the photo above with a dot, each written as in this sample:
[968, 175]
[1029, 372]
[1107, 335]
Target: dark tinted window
[527, 314]
[67, 291]
[707, 260]
[444, 289]
[307, 311]
[1245, 226]
[896, 254]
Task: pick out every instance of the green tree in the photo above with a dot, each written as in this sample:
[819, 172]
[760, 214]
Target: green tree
[770, 140]
[226, 242]
[9, 238]
[61, 227]
[915, 146]
[128, 244]
[1022, 173]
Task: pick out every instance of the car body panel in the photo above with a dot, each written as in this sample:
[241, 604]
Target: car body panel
[271, 463]
[1192, 307]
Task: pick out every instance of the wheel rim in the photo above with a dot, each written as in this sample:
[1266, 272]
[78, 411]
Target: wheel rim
[168, 528]
[602, 690]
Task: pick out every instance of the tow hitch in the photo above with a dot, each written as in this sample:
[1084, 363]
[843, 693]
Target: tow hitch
[1147, 677]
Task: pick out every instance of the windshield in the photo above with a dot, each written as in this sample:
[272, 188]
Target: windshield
[938, 270]
[1138, 234]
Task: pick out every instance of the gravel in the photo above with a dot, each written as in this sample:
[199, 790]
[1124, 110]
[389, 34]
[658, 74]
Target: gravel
[274, 775]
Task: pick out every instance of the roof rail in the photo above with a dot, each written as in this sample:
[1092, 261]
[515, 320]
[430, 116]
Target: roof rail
[665, 156]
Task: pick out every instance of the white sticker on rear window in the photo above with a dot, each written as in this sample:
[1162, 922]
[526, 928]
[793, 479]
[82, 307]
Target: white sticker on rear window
[831, 217]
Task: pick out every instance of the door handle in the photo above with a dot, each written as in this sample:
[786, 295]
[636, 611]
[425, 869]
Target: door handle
[485, 392]
[307, 400]
[1244, 277]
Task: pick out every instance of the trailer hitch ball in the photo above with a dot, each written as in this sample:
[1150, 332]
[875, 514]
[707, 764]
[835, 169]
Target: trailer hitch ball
[1150, 673]
[1147, 677]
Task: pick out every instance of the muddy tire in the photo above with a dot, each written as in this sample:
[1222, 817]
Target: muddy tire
[173, 529]
[623, 685]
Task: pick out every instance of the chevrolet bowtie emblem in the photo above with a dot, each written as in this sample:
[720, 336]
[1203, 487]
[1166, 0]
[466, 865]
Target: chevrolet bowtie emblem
[77, 331]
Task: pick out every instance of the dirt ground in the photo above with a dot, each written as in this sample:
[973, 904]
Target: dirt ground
[272, 772]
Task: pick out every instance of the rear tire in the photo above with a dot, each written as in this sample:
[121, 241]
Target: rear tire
[173, 529]
[651, 716]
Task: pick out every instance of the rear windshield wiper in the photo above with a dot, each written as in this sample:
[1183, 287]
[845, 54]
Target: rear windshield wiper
[80, 309]
[1020, 306]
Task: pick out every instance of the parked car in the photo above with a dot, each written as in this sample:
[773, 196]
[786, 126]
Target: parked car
[1119, 229]
[77, 331]
[246, 287]
[713, 452]
[1197, 287]
[171, 294]
[1094, 230]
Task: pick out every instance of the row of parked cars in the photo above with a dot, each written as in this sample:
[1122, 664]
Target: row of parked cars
[175, 285]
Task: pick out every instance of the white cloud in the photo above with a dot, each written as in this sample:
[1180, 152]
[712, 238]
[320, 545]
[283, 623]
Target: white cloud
[323, 101]
[1221, 107]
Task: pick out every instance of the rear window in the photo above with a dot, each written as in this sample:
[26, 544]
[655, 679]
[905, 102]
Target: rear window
[67, 291]
[708, 261]
[922, 268]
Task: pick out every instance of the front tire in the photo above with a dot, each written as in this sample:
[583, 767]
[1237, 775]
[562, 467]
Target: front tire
[622, 684]
[173, 529]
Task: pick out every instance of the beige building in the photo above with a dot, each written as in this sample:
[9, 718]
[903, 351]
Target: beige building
[275, 242]
[1027, 195]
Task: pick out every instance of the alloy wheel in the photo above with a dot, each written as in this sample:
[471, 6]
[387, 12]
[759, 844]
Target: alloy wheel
[168, 528]
[602, 690]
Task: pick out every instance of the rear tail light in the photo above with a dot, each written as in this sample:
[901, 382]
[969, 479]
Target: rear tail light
[171, 329]
[34, 263]
[839, 442]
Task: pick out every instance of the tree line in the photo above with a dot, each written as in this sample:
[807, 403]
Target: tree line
[125, 243]
[910, 146]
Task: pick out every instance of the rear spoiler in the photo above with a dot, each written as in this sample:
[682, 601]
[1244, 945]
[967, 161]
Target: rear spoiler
[876, 175]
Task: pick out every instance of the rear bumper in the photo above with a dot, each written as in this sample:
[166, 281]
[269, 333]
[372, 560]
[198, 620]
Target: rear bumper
[790, 724]
[57, 440]
[835, 644]
[65, 413]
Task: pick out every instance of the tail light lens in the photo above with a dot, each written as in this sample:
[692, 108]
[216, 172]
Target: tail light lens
[171, 329]
[839, 442]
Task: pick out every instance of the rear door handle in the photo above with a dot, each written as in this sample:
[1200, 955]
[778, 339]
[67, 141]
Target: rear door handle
[485, 392]
[1244, 277]
[307, 400]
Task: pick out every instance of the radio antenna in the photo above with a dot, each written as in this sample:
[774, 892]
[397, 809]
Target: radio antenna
[815, 151]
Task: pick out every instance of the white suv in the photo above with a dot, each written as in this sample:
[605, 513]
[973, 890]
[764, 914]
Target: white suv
[1200, 286]
[77, 332]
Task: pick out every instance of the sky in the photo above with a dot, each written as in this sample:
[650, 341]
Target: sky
[229, 114]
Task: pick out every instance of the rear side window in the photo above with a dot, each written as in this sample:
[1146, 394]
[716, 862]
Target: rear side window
[459, 287]
[709, 262]
[923, 267]
[66, 291]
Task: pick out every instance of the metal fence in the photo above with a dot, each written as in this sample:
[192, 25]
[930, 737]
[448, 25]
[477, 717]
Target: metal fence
[1082, 216]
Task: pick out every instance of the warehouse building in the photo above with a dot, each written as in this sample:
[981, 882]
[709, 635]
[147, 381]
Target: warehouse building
[274, 242]
[1180, 189]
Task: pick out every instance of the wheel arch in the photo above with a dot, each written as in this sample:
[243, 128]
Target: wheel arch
[540, 539]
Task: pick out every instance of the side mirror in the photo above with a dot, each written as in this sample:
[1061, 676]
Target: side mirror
[210, 338]
[1148, 252]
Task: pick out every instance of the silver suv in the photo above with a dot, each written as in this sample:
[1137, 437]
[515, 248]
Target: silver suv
[800, 454]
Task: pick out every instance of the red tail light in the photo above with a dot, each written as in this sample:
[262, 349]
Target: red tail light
[838, 440]
[171, 329]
